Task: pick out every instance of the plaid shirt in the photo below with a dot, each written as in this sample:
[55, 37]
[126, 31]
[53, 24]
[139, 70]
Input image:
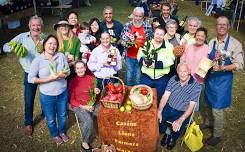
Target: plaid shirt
[127, 28]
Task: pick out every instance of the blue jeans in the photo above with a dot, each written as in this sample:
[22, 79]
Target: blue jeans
[52, 106]
[160, 84]
[171, 114]
[29, 98]
[133, 71]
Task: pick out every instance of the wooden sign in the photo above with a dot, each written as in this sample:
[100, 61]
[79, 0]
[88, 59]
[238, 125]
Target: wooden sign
[137, 131]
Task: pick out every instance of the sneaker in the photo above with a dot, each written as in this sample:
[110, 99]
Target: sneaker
[58, 140]
[213, 141]
[64, 137]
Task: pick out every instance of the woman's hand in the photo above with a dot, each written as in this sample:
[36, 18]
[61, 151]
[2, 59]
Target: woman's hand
[88, 108]
[61, 75]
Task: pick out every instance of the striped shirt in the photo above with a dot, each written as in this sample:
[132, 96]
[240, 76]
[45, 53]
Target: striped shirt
[181, 96]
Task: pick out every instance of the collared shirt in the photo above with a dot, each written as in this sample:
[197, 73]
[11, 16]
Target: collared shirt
[26, 40]
[127, 29]
[181, 96]
[187, 40]
[98, 57]
[234, 48]
[40, 69]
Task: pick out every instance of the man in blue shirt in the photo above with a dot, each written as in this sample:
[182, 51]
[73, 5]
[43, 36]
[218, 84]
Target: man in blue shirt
[177, 104]
[112, 26]
[29, 41]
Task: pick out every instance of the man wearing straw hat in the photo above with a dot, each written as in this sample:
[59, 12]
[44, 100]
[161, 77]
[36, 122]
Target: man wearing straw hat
[218, 89]
[177, 104]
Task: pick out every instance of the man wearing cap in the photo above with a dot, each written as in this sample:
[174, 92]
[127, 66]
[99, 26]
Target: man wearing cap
[29, 41]
[112, 26]
[142, 32]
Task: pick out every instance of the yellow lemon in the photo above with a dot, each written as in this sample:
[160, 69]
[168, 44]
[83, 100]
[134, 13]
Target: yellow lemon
[122, 108]
[128, 108]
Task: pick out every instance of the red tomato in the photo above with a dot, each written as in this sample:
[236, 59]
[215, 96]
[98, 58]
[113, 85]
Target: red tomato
[120, 88]
[144, 91]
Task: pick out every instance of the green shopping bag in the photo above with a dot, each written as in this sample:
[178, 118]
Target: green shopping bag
[193, 137]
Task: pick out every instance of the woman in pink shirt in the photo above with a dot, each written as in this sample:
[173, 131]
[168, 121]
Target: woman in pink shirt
[195, 52]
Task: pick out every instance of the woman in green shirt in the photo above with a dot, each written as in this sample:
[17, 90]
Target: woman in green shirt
[69, 44]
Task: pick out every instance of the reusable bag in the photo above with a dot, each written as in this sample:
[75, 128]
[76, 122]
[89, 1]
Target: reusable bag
[193, 137]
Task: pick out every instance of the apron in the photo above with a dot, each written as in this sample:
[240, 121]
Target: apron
[218, 88]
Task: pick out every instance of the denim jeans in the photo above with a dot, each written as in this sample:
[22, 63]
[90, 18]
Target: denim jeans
[29, 98]
[160, 84]
[52, 106]
[133, 71]
[86, 122]
[171, 114]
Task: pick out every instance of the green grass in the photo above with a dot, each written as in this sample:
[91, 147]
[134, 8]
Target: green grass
[11, 91]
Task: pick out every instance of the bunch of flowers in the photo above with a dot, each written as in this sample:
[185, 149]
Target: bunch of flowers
[130, 39]
[221, 56]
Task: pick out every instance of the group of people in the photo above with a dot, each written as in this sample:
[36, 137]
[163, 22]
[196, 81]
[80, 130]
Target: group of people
[75, 62]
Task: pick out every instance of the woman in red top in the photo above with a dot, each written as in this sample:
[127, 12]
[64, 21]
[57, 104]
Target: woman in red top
[80, 101]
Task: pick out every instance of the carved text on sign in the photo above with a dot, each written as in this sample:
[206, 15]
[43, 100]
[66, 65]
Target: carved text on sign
[128, 123]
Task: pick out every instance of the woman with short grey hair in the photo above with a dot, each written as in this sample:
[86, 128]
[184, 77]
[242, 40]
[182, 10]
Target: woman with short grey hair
[193, 23]
[171, 36]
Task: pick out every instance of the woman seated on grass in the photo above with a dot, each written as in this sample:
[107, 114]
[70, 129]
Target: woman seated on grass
[82, 97]
[50, 70]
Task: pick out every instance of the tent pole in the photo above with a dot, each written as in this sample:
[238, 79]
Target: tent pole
[35, 8]
[234, 15]
[240, 15]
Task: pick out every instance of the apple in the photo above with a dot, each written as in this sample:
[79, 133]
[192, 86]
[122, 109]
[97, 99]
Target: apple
[122, 108]
[128, 108]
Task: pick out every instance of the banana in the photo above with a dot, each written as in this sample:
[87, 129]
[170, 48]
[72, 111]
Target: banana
[16, 49]
[18, 53]
[66, 69]
[25, 52]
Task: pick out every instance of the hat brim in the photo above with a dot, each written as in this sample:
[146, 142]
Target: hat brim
[57, 25]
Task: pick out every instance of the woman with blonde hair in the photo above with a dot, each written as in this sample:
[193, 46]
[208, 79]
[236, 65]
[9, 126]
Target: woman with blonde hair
[68, 43]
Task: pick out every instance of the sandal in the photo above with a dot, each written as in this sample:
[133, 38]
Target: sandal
[64, 137]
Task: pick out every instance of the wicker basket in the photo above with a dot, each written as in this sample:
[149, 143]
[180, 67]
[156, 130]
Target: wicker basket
[108, 103]
[142, 106]
[179, 50]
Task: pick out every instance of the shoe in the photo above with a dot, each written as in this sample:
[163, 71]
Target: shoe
[205, 126]
[28, 130]
[212, 141]
[165, 140]
[171, 144]
[64, 137]
[90, 149]
[58, 140]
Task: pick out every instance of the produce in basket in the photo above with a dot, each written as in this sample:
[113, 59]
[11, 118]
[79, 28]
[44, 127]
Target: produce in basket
[141, 97]
[114, 93]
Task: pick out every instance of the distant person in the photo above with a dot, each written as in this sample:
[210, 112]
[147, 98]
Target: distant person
[29, 41]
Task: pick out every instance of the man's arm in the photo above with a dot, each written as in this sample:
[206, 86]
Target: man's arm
[177, 123]
[162, 104]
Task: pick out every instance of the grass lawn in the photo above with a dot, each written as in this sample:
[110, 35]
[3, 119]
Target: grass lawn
[11, 91]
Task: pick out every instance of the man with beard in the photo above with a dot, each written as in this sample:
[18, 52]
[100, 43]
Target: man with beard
[113, 27]
[165, 17]
[29, 41]
[141, 32]
[218, 87]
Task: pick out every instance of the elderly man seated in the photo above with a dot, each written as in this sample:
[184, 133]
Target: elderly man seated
[177, 104]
